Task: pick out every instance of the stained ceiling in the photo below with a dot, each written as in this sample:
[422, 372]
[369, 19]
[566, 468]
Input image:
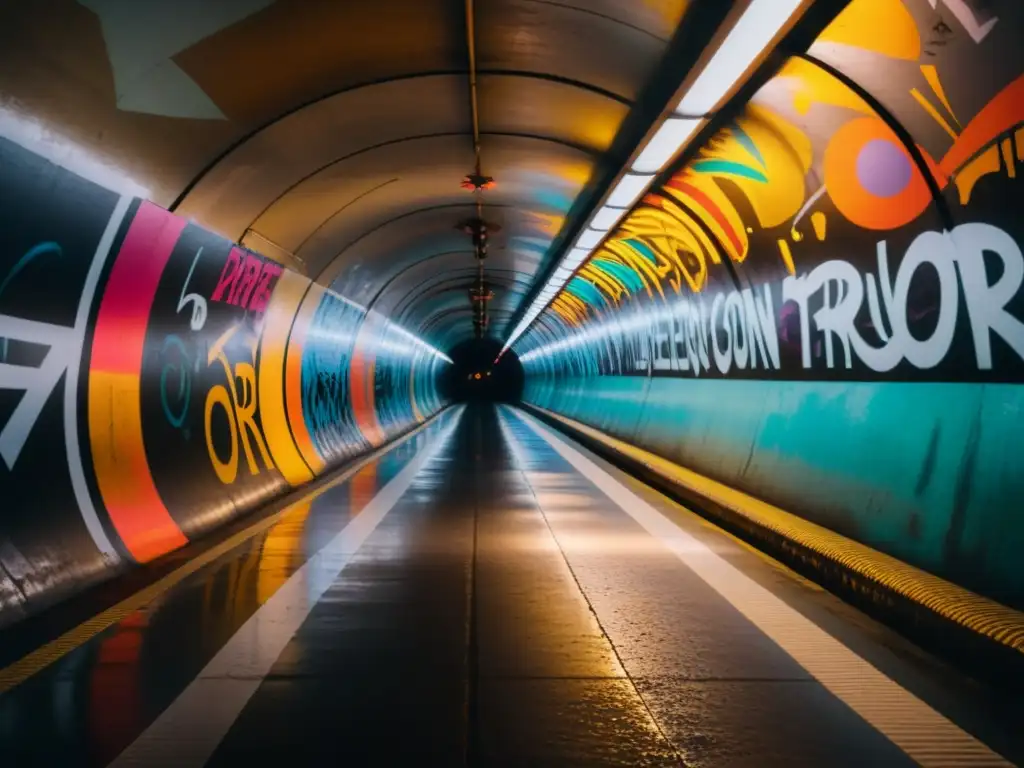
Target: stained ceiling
[334, 134]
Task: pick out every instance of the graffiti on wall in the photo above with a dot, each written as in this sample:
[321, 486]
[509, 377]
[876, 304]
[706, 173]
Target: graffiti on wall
[169, 363]
[202, 343]
[327, 402]
[55, 233]
[805, 310]
[836, 318]
[873, 257]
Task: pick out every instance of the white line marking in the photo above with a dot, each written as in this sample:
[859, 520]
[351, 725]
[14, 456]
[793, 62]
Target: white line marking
[190, 729]
[71, 390]
[925, 735]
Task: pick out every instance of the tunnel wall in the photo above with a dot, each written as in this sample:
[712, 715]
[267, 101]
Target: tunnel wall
[157, 381]
[823, 306]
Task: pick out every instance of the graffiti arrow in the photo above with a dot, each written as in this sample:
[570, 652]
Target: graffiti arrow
[143, 35]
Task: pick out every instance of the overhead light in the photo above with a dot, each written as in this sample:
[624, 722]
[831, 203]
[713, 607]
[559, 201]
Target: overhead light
[759, 25]
[574, 257]
[664, 144]
[606, 218]
[629, 189]
[757, 28]
[589, 238]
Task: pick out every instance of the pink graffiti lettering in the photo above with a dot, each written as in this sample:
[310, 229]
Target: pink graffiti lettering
[228, 275]
[246, 281]
[264, 287]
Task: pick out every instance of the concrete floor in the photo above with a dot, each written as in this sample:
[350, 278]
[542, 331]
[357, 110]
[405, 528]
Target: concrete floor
[481, 595]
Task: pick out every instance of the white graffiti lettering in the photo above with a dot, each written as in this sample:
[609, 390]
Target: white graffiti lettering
[738, 329]
[843, 289]
[37, 383]
[849, 318]
[198, 302]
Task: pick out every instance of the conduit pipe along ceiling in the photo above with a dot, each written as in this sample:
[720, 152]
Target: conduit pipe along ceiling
[754, 30]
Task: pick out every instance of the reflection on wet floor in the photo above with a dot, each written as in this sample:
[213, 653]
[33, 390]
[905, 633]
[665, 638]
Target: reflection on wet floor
[501, 610]
[86, 708]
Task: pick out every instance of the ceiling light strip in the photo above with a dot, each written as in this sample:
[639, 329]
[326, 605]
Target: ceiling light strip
[759, 26]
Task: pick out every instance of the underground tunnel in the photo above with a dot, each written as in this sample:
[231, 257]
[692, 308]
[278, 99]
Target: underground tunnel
[511, 382]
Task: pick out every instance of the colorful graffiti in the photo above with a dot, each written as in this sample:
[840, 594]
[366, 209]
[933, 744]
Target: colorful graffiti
[814, 173]
[823, 307]
[180, 373]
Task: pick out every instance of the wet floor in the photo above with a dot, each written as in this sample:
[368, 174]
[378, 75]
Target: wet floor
[487, 594]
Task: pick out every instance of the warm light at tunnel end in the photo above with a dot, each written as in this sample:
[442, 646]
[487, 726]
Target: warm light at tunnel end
[756, 30]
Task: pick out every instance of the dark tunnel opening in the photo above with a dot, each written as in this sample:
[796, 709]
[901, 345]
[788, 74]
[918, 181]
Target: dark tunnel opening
[474, 376]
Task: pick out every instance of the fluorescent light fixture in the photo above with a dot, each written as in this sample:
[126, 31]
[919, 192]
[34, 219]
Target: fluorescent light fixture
[606, 218]
[589, 238]
[574, 257]
[664, 144]
[628, 190]
[760, 23]
[756, 29]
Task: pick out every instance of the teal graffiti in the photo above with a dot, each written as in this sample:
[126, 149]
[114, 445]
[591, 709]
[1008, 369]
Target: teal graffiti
[36, 250]
[176, 383]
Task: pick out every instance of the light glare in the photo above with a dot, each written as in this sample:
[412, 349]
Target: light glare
[746, 41]
[629, 189]
[664, 144]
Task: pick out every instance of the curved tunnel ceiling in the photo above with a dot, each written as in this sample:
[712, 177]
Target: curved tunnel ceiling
[334, 135]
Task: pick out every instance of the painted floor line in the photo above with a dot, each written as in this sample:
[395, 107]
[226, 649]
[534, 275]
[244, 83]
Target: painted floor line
[923, 734]
[522, 462]
[188, 732]
[32, 663]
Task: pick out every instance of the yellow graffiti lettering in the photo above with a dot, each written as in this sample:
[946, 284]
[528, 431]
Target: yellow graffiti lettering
[226, 470]
[245, 409]
[238, 402]
[603, 282]
[678, 254]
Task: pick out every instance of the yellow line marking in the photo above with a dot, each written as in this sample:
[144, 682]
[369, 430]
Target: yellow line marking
[979, 614]
[37, 660]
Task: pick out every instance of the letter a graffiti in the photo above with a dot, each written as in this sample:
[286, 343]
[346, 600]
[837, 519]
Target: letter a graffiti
[36, 383]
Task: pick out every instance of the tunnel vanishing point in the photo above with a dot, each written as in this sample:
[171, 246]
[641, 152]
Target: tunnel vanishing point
[512, 383]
